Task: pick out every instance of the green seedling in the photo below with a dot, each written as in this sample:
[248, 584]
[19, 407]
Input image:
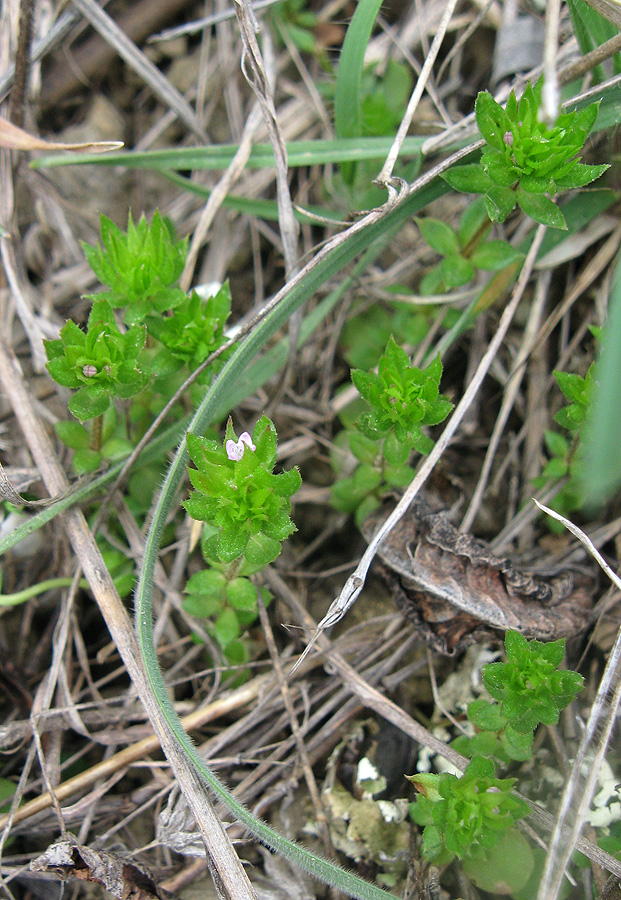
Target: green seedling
[526, 162]
[245, 508]
[99, 364]
[140, 267]
[472, 817]
[579, 391]
[170, 335]
[464, 250]
[401, 400]
[242, 502]
[527, 690]
[465, 816]
[191, 333]
[566, 455]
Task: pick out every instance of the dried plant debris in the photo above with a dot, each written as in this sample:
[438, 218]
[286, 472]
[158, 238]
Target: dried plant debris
[456, 592]
[413, 317]
[125, 880]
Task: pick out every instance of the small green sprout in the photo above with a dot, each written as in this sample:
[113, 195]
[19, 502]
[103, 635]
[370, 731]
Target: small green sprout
[567, 456]
[463, 251]
[465, 816]
[527, 690]
[246, 509]
[99, 364]
[529, 686]
[245, 506]
[403, 399]
[526, 162]
[579, 391]
[141, 267]
[191, 333]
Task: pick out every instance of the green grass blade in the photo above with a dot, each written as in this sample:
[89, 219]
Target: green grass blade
[602, 471]
[299, 153]
[348, 99]
[326, 264]
[592, 30]
[260, 209]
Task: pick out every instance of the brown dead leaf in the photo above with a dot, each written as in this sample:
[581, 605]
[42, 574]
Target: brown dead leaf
[123, 879]
[14, 138]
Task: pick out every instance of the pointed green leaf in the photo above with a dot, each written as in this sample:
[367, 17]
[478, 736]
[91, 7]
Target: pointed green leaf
[492, 120]
[469, 179]
[499, 201]
[541, 209]
[492, 256]
[440, 236]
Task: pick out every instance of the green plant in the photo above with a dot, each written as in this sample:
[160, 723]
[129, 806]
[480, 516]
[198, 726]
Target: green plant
[567, 456]
[468, 816]
[527, 690]
[245, 508]
[294, 20]
[465, 816]
[191, 333]
[463, 250]
[140, 266]
[237, 494]
[401, 400]
[527, 162]
[99, 364]
[170, 334]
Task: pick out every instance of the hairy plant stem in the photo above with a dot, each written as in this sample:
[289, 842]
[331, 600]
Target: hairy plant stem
[325, 264]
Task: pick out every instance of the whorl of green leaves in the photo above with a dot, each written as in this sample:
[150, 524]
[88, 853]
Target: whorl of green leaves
[525, 159]
[99, 364]
[141, 266]
[465, 816]
[243, 503]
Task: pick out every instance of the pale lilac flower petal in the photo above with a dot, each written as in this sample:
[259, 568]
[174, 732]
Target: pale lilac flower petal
[246, 439]
[234, 450]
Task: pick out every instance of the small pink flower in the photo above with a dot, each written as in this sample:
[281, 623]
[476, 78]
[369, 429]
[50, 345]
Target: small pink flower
[89, 371]
[235, 450]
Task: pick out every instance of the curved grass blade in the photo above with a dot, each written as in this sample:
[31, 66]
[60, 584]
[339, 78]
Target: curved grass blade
[602, 471]
[326, 264]
[299, 153]
[348, 100]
